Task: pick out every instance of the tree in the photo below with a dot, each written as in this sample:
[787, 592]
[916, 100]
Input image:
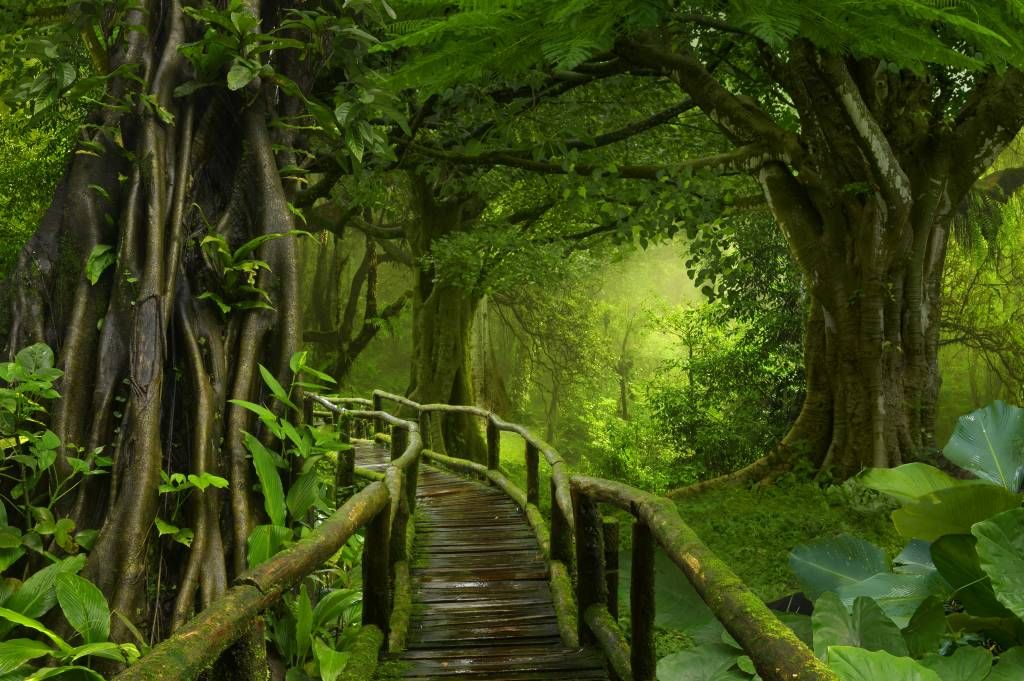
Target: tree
[165, 272]
[864, 131]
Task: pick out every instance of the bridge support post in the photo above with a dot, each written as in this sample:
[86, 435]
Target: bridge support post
[610, 528]
[399, 441]
[641, 604]
[591, 588]
[493, 445]
[425, 428]
[532, 474]
[561, 548]
[377, 572]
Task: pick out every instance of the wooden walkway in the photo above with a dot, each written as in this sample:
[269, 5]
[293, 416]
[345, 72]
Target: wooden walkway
[482, 609]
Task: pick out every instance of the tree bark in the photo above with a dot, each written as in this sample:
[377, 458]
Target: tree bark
[443, 315]
[149, 367]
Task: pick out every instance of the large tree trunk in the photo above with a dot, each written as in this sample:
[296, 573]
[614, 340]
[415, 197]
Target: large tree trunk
[149, 367]
[443, 315]
[872, 369]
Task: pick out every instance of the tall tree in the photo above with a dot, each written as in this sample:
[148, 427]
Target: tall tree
[165, 271]
[863, 128]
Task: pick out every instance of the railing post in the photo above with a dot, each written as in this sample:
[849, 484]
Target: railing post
[493, 445]
[378, 405]
[610, 528]
[641, 604]
[532, 474]
[560, 546]
[425, 428]
[399, 441]
[345, 467]
[377, 572]
[591, 588]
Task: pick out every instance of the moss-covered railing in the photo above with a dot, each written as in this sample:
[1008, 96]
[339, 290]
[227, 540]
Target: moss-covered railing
[383, 507]
[582, 550]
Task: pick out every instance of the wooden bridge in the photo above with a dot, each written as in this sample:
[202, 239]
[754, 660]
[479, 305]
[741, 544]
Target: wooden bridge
[464, 577]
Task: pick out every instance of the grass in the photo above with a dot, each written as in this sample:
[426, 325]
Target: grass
[754, 529]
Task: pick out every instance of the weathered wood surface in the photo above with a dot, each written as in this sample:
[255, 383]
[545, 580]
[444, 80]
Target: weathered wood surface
[482, 606]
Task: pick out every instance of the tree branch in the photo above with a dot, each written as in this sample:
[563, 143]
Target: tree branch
[740, 160]
[740, 119]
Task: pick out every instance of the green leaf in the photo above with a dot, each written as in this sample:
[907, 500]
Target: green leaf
[105, 649]
[270, 481]
[332, 662]
[303, 494]
[35, 358]
[84, 607]
[965, 664]
[898, 595]
[925, 631]
[910, 481]
[952, 511]
[857, 664]
[74, 673]
[1009, 667]
[957, 560]
[10, 537]
[267, 417]
[240, 75]
[867, 627]
[987, 442]
[18, 651]
[276, 388]
[38, 594]
[334, 605]
[265, 541]
[303, 623]
[829, 563]
[1000, 550]
[101, 257]
[17, 619]
[705, 663]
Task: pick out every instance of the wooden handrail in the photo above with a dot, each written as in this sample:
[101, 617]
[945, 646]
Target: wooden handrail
[777, 653]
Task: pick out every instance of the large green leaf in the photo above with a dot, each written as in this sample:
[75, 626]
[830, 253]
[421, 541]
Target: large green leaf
[303, 494]
[264, 541]
[857, 664]
[987, 442]
[832, 562]
[1009, 667]
[952, 511]
[332, 662]
[17, 619]
[334, 605]
[303, 622]
[37, 594]
[927, 628]
[69, 673]
[270, 481]
[1001, 553]
[915, 559]
[18, 651]
[957, 560]
[898, 595]
[908, 482]
[965, 664]
[35, 358]
[276, 388]
[84, 607]
[713, 662]
[866, 627]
